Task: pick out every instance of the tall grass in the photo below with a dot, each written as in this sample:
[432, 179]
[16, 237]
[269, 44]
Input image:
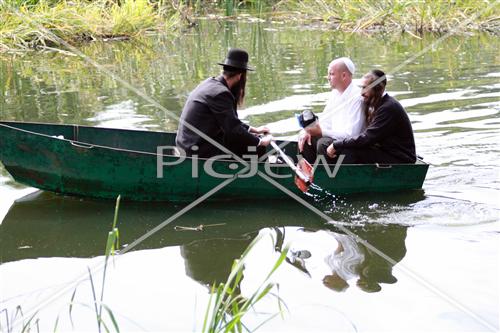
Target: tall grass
[32, 323]
[33, 24]
[400, 15]
[30, 23]
[112, 245]
[227, 307]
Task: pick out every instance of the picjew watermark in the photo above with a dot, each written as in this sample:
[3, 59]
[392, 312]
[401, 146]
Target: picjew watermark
[169, 156]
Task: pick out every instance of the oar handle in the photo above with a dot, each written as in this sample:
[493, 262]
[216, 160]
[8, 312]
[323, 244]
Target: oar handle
[290, 163]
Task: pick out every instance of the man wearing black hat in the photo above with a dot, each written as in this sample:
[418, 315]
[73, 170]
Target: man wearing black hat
[212, 109]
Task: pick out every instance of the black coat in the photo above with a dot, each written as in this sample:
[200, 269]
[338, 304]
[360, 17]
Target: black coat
[211, 108]
[390, 132]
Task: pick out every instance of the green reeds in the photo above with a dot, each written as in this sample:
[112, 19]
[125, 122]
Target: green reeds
[229, 6]
[227, 307]
[33, 25]
[112, 245]
[132, 17]
[225, 310]
[29, 24]
[253, 7]
[27, 326]
[399, 15]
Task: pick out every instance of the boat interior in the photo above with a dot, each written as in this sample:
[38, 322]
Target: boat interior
[128, 139]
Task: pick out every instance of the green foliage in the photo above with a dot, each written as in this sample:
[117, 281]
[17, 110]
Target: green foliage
[27, 325]
[98, 305]
[39, 24]
[132, 17]
[31, 23]
[227, 307]
[229, 6]
[406, 15]
[112, 244]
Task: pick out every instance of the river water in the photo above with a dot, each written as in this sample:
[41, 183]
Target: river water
[442, 241]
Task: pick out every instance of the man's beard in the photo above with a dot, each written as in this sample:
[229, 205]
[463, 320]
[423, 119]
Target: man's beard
[370, 105]
[371, 101]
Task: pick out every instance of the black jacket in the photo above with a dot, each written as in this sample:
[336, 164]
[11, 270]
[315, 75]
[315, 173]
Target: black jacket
[390, 131]
[211, 108]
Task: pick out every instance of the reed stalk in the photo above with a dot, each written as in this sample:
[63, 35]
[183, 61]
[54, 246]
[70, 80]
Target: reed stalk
[227, 307]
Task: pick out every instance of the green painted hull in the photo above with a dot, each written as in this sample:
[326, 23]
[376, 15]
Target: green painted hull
[105, 163]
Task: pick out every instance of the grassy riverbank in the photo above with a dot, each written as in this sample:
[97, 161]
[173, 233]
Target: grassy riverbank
[414, 16]
[29, 23]
[32, 24]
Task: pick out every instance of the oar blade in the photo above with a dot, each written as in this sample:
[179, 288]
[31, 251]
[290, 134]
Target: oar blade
[307, 170]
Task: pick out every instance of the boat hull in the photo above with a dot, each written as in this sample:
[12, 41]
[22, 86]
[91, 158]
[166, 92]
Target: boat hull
[105, 163]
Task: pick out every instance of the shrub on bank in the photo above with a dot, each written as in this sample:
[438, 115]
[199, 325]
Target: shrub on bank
[31, 23]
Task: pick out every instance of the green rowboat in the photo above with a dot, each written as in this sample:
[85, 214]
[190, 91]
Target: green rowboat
[104, 163]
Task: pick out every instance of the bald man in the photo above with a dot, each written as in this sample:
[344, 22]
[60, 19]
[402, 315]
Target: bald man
[343, 115]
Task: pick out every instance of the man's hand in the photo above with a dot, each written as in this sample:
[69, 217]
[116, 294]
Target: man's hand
[265, 140]
[303, 138]
[331, 152]
[260, 130]
[314, 129]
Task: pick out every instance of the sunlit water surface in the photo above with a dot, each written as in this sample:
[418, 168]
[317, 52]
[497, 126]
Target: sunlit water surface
[442, 241]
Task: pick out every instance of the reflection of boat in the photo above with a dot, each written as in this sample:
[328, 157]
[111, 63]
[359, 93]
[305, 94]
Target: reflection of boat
[47, 225]
[102, 162]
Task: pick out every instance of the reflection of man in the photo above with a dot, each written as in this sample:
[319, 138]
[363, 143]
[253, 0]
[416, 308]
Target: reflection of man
[352, 259]
[211, 108]
[375, 269]
[342, 117]
[210, 261]
[344, 262]
[389, 135]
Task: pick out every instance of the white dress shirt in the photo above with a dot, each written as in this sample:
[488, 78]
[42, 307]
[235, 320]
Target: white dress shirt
[343, 115]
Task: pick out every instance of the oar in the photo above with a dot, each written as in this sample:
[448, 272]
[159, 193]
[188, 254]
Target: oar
[301, 180]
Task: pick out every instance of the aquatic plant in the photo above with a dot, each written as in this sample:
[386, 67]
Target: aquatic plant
[112, 245]
[32, 322]
[30, 23]
[26, 26]
[398, 15]
[227, 307]
[27, 325]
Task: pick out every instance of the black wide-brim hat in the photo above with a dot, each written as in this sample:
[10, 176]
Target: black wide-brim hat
[236, 58]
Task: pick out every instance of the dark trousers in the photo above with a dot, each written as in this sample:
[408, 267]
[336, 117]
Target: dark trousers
[365, 155]
[317, 145]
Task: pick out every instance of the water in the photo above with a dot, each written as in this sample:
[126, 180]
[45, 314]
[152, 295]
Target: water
[442, 241]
